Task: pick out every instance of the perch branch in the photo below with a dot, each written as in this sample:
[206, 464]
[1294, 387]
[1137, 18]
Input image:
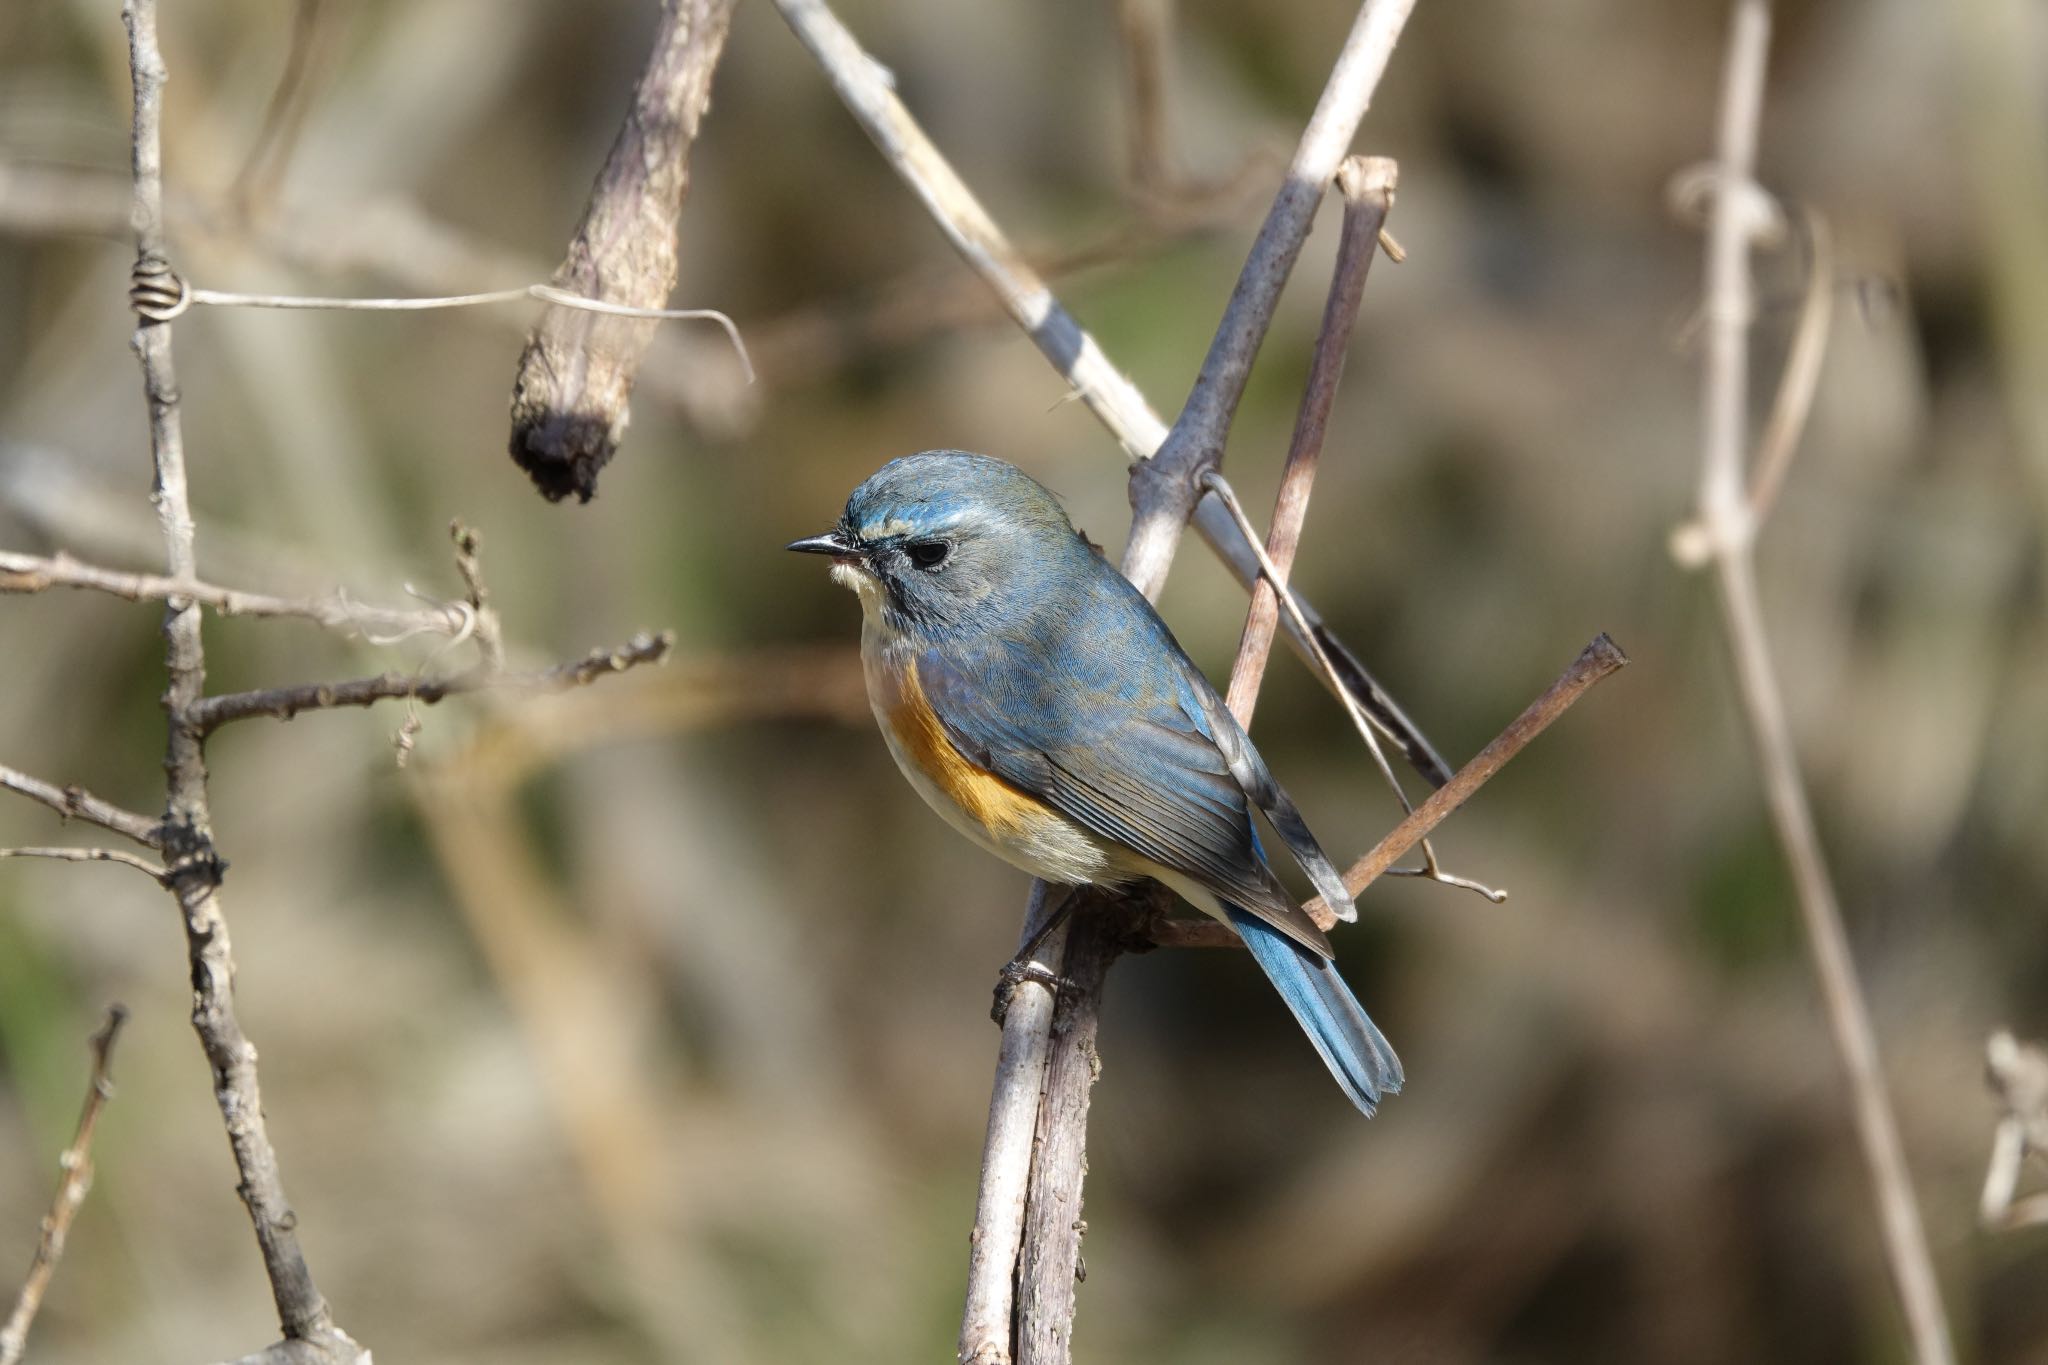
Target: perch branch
[193, 868]
[1738, 211]
[72, 1186]
[76, 803]
[569, 398]
[1164, 491]
[283, 703]
[90, 855]
[867, 89]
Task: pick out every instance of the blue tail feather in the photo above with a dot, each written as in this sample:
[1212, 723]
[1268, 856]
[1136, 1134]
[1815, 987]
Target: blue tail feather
[1353, 1048]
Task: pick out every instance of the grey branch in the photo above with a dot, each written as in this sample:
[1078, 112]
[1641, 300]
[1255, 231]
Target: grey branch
[569, 399]
[1739, 212]
[21, 573]
[67, 854]
[73, 1183]
[76, 803]
[193, 868]
[283, 703]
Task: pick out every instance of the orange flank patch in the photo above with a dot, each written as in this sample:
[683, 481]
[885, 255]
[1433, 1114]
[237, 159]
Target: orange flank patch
[997, 806]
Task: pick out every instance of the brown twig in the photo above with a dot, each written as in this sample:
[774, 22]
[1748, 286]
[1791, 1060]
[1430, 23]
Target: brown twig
[283, 703]
[76, 803]
[20, 573]
[1595, 662]
[1727, 514]
[72, 1187]
[869, 94]
[193, 868]
[1599, 659]
[68, 854]
[283, 119]
[1367, 185]
[569, 399]
[1145, 28]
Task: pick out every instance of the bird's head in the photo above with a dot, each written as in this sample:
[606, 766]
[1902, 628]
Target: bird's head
[950, 539]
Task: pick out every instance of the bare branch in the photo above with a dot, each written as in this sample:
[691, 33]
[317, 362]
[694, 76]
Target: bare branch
[1595, 662]
[76, 803]
[89, 855]
[20, 573]
[193, 868]
[72, 1186]
[569, 399]
[283, 703]
[1728, 516]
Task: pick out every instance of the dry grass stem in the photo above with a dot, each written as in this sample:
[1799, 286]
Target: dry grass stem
[1738, 212]
[72, 1187]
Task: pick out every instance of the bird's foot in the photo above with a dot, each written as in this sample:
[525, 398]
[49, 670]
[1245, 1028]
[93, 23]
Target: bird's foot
[1015, 973]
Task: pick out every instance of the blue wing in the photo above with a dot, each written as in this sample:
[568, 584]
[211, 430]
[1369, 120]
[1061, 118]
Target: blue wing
[1102, 717]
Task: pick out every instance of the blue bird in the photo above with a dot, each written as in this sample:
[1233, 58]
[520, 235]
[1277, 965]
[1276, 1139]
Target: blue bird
[1035, 699]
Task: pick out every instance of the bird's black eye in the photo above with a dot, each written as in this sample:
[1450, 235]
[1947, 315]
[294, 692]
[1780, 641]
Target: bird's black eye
[928, 554]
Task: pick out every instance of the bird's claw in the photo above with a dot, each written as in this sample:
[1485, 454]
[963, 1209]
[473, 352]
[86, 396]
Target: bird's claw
[1014, 974]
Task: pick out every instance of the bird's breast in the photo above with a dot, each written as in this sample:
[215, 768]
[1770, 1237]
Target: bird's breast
[1000, 816]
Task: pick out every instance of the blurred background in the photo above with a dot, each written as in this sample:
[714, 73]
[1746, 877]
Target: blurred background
[649, 1022]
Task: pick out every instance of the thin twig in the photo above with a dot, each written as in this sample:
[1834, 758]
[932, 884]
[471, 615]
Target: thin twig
[868, 91]
[1367, 185]
[1725, 511]
[194, 868]
[1800, 381]
[283, 119]
[1215, 483]
[282, 703]
[1146, 30]
[68, 854]
[76, 803]
[1595, 662]
[72, 1186]
[20, 573]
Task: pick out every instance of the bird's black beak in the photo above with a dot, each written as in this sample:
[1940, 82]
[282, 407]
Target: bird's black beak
[831, 543]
